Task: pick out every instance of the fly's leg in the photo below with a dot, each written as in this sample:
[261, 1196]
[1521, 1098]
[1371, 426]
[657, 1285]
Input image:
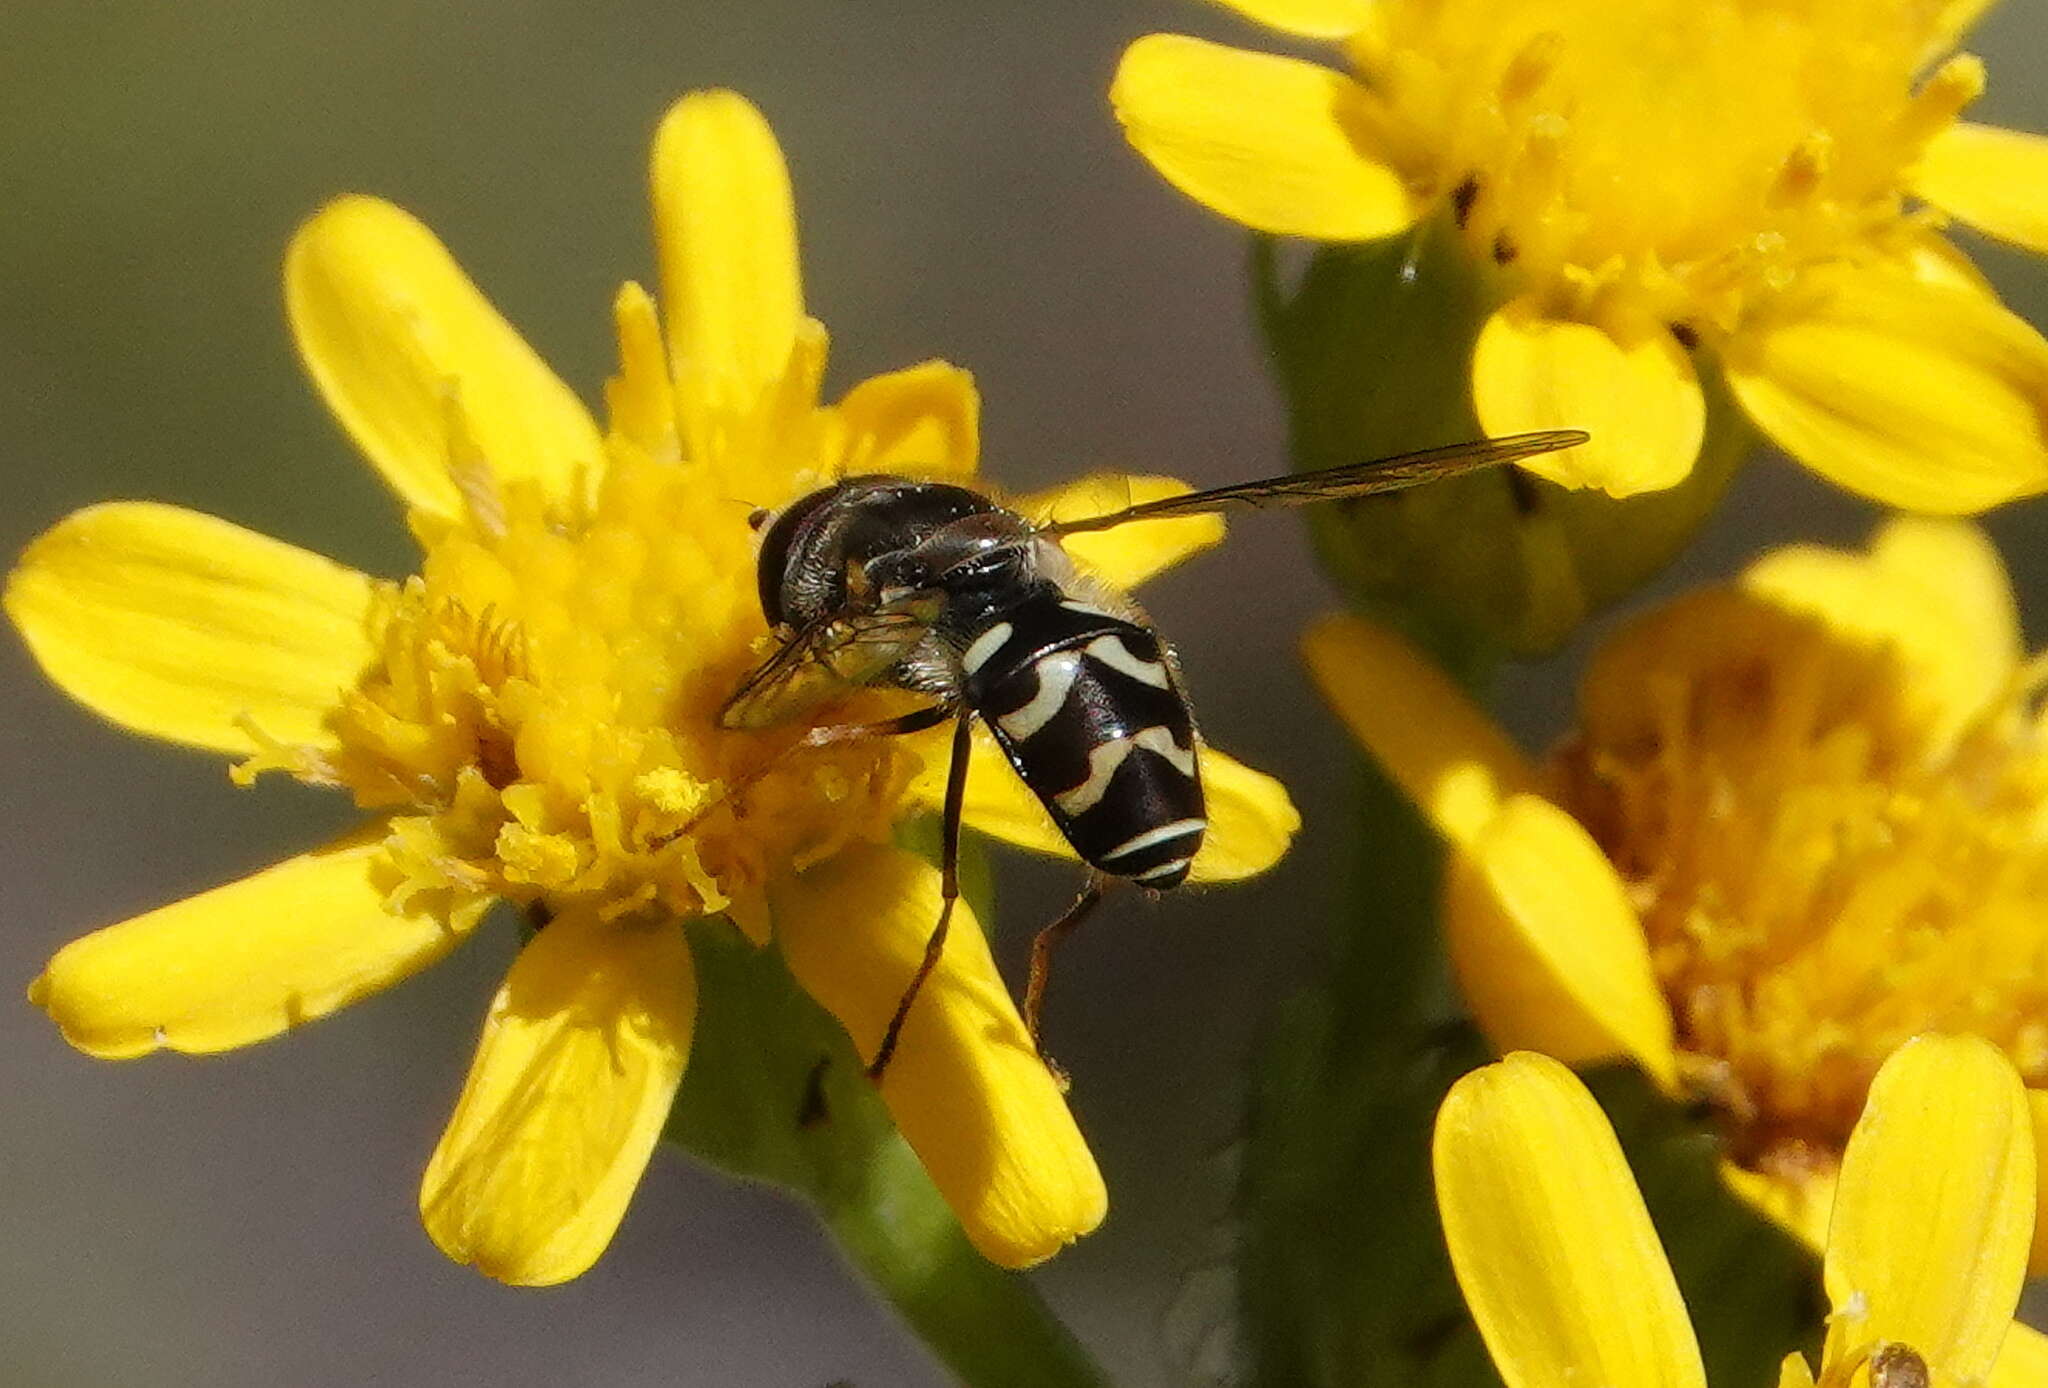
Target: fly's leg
[916, 721]
[949, 891]
[1042, 946]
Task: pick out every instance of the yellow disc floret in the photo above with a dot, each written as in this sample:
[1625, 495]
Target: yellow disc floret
[542, 722]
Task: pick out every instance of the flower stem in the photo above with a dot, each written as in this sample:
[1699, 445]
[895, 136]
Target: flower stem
[988, 1326]
[775, 1093]
[1343, 1273]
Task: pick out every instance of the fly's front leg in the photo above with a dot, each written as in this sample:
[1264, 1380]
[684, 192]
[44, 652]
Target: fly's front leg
[949, 889]
[915, 721]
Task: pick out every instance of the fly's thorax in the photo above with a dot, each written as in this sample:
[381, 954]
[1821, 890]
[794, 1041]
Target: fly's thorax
[1086, 706]
[839, 547]
[978, 563]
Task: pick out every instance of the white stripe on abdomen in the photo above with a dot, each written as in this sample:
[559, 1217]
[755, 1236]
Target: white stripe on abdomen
[1106, 757]
[1055, 675]
[1152, 838]
[1112, 651]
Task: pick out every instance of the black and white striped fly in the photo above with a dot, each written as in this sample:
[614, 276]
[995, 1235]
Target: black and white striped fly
[940, 590]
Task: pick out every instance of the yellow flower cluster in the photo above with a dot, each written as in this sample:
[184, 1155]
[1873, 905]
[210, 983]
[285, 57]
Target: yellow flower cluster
[532, 718]
[1654, 189]
[1790, 861]
[1804, 818]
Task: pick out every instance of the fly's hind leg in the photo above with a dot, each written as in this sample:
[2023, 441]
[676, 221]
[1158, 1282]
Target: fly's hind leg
[949, 891]
[1042, 946]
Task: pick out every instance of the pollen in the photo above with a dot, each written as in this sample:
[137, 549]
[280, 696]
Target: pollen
[1669, 159]
[542, 725]
[1823, 869]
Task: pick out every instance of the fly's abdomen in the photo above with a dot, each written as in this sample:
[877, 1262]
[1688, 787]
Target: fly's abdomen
[1086, 707]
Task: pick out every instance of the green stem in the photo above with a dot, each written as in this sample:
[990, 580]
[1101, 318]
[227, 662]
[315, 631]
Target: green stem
[775, 1093]
[986, 1325]
[1344, 1277]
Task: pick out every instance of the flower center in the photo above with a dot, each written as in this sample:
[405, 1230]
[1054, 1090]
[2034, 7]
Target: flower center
[1685, 154]
[543, 723]
[1820, 870]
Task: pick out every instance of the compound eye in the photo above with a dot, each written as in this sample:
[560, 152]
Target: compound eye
[757, 517]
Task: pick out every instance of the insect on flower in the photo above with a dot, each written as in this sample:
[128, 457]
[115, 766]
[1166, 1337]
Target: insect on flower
[941, 591]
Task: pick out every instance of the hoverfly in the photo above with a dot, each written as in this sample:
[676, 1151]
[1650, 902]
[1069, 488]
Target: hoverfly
[939, 590]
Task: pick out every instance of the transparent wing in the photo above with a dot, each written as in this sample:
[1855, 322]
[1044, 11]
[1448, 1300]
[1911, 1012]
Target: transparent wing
[828, 660]
[1334, 484]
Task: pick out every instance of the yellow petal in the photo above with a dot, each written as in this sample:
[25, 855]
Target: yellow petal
[1453, 761]
[924, 421]
[176, 624]
[1548, 950]
[1935, 1211]
[641, 398]
[1311, 19]
[967, 1089]
[417, 365]
[243, 962]
[1959, 561]
[1251, 818]
[2037, 1259]
[1822, 374]
[1549, 1237]
[1271, 142]
[1638, 398]
[2023, 1361]
[1994, 179]
[1799, 1204]
[580, 1058]
[1130, 554]
[1934, 259]
[1934, 591]
[725, 228]
[1951, 20]
[1794, 1372]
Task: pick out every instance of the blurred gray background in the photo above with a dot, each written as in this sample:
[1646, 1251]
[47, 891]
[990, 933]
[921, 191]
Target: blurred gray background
[963, 192]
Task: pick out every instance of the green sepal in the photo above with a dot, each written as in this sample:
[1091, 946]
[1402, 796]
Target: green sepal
[1373, 350]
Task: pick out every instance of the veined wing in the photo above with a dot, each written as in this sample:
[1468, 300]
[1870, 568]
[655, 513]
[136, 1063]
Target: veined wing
[827, 660]
[1334, 484]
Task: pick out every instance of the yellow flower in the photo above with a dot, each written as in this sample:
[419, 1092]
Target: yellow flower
[531, 719]
[1755, 184]
[1925, 1255]
[1804, 818]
